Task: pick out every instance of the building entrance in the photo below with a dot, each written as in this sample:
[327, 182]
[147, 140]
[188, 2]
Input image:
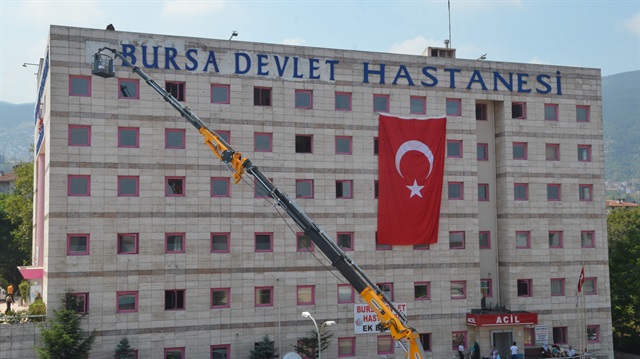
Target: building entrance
[502, 341]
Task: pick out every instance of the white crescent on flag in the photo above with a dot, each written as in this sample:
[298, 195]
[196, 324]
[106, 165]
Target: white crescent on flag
[413, 146]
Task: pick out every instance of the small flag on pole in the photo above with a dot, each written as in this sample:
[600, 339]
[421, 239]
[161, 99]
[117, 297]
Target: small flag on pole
[581, 280]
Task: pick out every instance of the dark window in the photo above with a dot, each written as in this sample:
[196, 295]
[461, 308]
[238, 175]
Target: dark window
[176, 89]
[481, 112]
[262, 96]
[174, 299]
[304, 143]
[524, 287]
[518, 110]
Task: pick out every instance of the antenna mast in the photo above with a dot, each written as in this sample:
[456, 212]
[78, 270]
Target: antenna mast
[449, 7]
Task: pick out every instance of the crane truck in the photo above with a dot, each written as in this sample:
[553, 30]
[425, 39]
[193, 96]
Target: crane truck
[390, 317]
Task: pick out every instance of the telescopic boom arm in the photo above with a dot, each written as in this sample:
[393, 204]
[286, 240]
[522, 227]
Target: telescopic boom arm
[390, 317]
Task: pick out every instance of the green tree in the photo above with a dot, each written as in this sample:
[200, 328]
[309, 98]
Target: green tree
[308, 346]
[62, 336]
[624, 269]
[16, 224]
[124, 351]
[264, 349]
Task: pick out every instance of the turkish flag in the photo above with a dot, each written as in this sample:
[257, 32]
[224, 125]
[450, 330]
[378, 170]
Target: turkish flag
[410, 170]
[581, 280]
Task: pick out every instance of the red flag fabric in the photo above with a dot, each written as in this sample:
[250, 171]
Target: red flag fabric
[581, 280]
[410, 170]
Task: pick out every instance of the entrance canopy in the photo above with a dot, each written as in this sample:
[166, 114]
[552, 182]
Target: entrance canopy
[502, 319]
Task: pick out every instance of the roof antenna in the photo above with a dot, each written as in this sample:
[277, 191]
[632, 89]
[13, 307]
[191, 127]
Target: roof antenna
[449, 7]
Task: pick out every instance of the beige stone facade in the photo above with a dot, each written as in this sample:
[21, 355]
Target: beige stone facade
[533, 245]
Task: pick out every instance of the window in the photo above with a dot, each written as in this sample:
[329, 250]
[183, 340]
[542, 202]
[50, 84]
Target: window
[221, 351]
[458, 338]
[587, 239]
[593, 333]
[454, 148]
[555, 239]
[78, 244]
[343, 101]
[376, 189]
[304, 188]
[174, 242]
[220, 242]
[174, 187]
[529, 337]
[79, 85]
[524, 288]
[126, 302]
[129, 137]
[264, 296]
[583, 113]
[128, 243]
[128, 186]
[584, 153]
[418, 105]
[519, 150]
[560, 335]
[380, 103]
[305, 294]
[343, 145]
[485, 287]
[375, 146]
[519, 110]
[176, 89]
[456, 240]
[523, 239]
[454, 107]
[262, 142]
[345, 293]
[128, 88]
[79, 302]
[425, 339]
[421, 247]
[174, 353]
[482, 151]
[220, 297]
[260, 191]
[585, 192]
[553, 192]
[485, 240]
[219, 187]
[458, 289]
[422, 291]
[304, 99]
[387, 289]
[262, 96]
[220, 94]
[483, 192]
[79, 185]
[455, 190]
[590, 286]
[552, 151]
[481, 112]
[264, 242]
[343, 189]
[304, 143]
[521, 191]
[345, 241]
[79, 135]
[381, 247]
[557, 287]
[385, 344]
[550, 112]
[225, 135]
[346, 347]
[174, 299]
[174, 138]
[303, 243]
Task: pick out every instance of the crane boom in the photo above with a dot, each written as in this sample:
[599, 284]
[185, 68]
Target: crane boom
[390, 317]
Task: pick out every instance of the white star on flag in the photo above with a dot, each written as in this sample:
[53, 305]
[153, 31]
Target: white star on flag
[415, 189]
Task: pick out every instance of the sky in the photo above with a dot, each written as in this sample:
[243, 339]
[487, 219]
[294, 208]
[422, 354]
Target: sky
[602, 34]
